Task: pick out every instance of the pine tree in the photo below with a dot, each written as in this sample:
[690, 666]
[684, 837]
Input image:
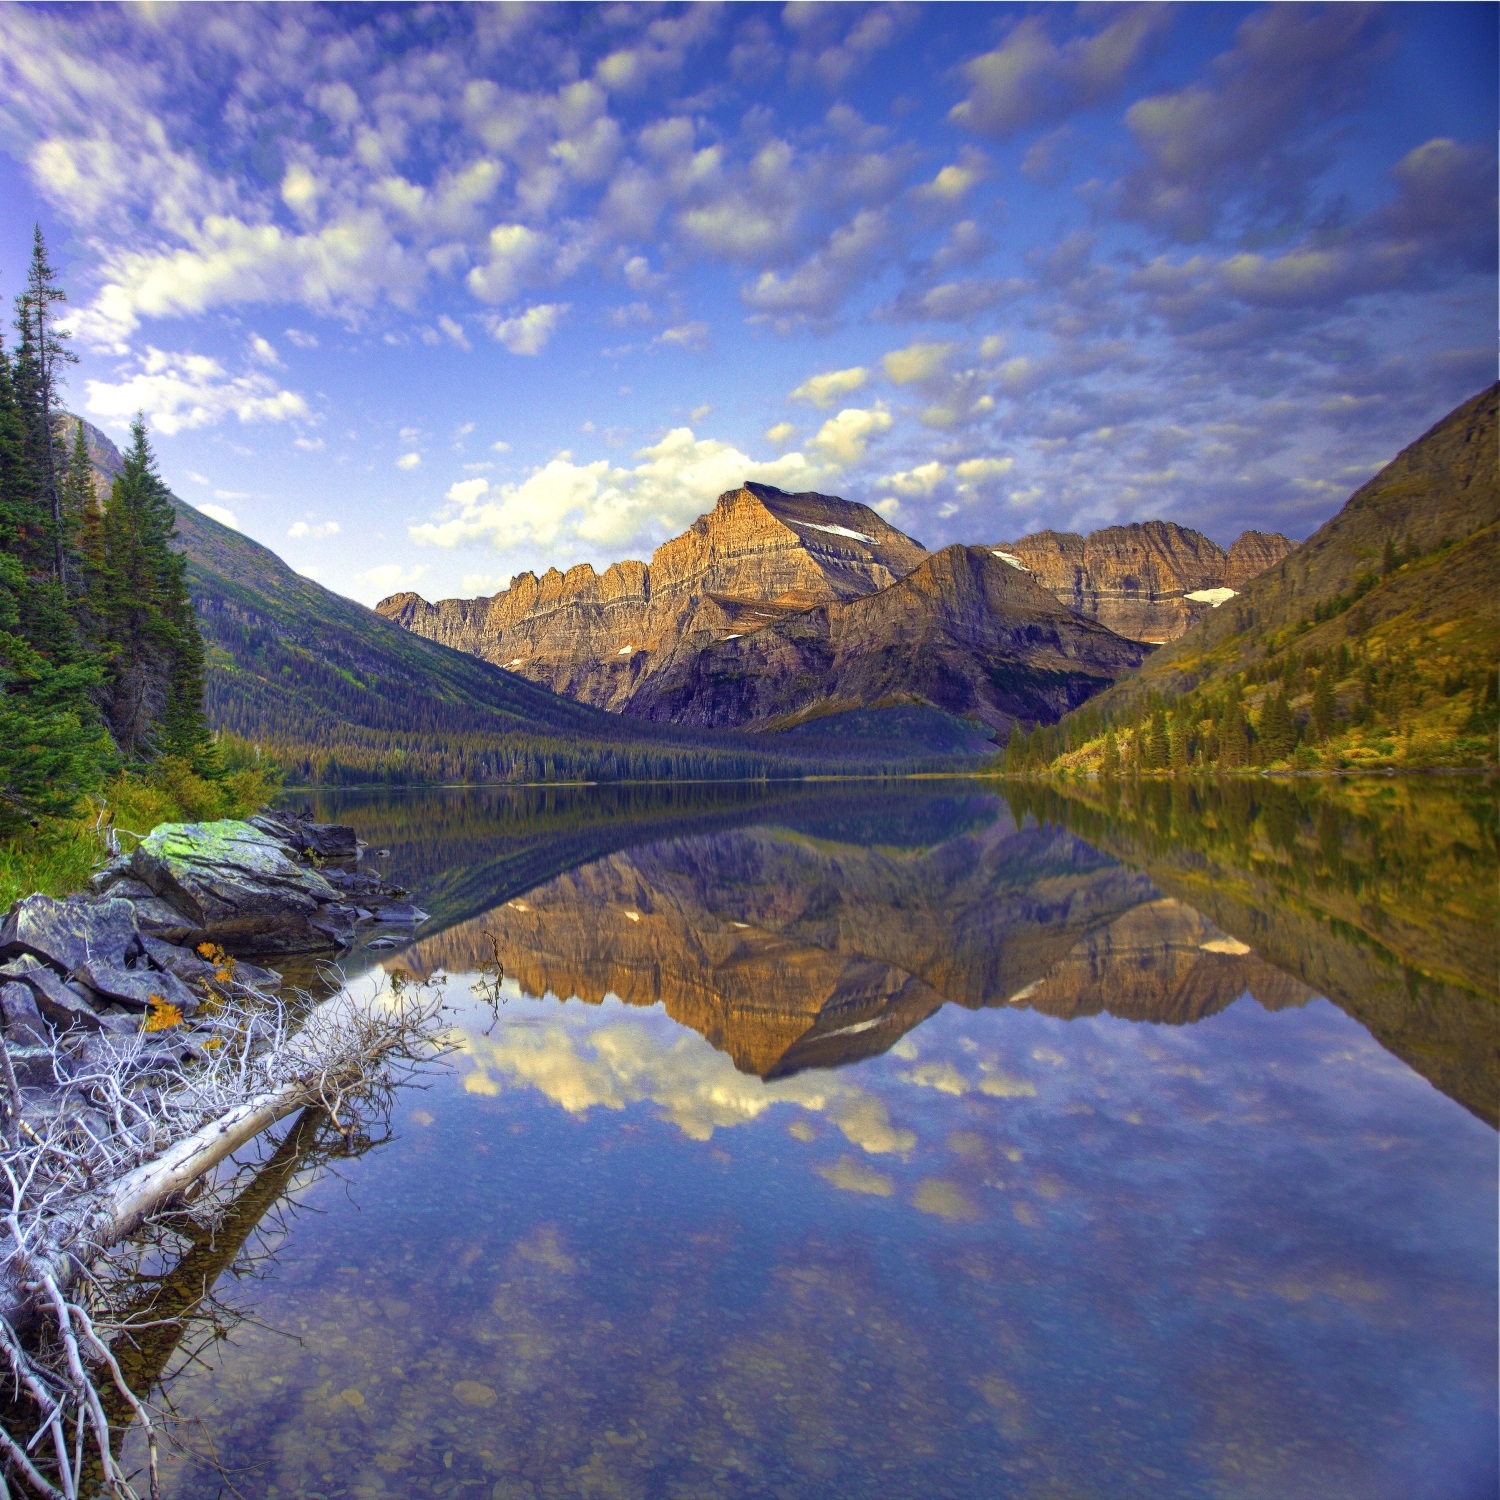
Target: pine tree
[38, 379]
[154, 689]
[1324, 705]
[1111, 754]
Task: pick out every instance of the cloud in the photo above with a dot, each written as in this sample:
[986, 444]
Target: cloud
[1232, 132]
[586, 1059]
[921, 480]
[181, 391]
[318, 531]
[300, 339]
[954, 181]
[263, 353]
[388, 578]
[409, 461]
[529, 333]
[308, 445]
[916, 363]
[976, 473]
[1032, 80]
[597, 505]
[824, 390]
[221, 514]
[953, 301]
[826, 277]
[685, 336]
[843, 438]
[781, 434]
[454, 330]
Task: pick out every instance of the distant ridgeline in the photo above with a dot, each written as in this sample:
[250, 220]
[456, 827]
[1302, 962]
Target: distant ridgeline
[1373, 645]
[338, 695]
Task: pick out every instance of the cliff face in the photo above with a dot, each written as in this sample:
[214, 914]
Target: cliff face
[1136, 579]
[964, 632]
[760, 555]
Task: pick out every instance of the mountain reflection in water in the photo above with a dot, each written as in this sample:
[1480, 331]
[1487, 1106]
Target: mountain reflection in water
[891, 1141]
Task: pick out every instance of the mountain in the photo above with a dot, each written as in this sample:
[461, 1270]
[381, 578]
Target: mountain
[963, 632]
[1144, 580]
[1374, 644]
[337, 694]
[760, 555]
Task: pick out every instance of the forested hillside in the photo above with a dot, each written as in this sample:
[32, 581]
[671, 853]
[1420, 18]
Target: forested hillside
[1373, 645]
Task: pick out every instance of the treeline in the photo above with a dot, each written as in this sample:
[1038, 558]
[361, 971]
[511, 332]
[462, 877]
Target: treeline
[101, 662]
[1305, 701]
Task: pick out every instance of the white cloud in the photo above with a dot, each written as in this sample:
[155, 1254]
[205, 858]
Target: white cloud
[781, 434]
[409, 461]
[699, 412]
[388, 578]
[231, 495]
[921, 480]
[685, 336]
[222, 514]
[180, 391]
[308, 445]
[323, 529]
[950, 184]
[301, 340]
[263, 353]
[500, 446]
[916, 362]
[529, 333]
[599, 505]
[980, 471]
[843, 438]
[454, 330]
[824, 390]
[476, 585]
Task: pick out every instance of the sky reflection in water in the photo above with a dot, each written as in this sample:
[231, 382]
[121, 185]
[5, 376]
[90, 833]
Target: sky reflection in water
[1012, 1255]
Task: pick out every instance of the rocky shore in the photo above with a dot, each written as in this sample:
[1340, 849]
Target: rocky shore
[166, 927]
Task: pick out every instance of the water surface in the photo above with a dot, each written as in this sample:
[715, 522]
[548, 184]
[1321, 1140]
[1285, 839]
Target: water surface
[899, 1141]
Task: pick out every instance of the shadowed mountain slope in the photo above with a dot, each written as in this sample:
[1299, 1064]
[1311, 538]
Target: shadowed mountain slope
[963, 632]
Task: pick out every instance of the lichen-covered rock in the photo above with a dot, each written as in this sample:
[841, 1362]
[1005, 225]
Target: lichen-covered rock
[234, 885]
[70, 933]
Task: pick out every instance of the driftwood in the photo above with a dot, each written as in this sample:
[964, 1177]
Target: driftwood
[136, 1122]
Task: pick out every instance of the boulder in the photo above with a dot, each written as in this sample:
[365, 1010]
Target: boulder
[331, 841]
[70, 933]
[59, 1002]
[138, 987]
[23, 1021]
[233, 884]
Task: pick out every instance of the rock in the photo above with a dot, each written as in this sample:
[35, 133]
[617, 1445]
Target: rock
[160, 919]
[23, 1021]
[1252, 553]
[171, 959]
[1135, 579]
[61, 1004]
[69, 933]
[138, 987]
[964, 632]
[760, 555]
[234, 885]
[333, 841]
[399, 911]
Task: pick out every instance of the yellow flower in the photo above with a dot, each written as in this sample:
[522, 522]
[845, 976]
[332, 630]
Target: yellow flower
[163, 1015]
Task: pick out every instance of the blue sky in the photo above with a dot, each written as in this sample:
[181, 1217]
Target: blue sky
[425, 296]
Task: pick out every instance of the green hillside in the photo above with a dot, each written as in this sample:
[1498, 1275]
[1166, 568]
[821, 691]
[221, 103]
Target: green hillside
[1373, 645]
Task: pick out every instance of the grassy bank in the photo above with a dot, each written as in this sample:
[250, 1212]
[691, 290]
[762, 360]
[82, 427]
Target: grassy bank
[58, 855]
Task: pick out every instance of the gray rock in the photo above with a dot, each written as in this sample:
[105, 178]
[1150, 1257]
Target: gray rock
[323, 840]
[399, 911]
[69, 933]
[160, 919]
[138, 986]
[61, 1004]
[23, 1021]
[171, 959]
[236, 884]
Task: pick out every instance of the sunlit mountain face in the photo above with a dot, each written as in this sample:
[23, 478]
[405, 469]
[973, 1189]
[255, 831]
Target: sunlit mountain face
[426, 297]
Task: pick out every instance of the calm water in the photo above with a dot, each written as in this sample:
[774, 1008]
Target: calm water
[888, 1141]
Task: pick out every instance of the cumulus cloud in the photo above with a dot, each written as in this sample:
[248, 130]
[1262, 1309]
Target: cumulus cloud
[843, 439]
[953, 182]
[685, 336]
[1030, 79]
[916, 363]
[921, 480]
[409, 461]
[824, 390]
[181, 391]
[530, 332]
[781, 434]
[221, 514]
[599, 504]
[317, 531]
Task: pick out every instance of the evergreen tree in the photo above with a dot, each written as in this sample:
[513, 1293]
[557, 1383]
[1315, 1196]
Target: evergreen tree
[1324, 705]
[153, 698]
[37, 379]
[1111, 754]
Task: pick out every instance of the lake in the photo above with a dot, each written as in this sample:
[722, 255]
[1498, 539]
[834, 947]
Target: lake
[892, 1139]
